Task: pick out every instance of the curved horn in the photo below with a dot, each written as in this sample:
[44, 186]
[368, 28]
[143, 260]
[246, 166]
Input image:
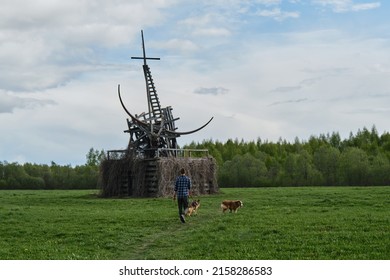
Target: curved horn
[189, 132]
[176, 133]
[127, 111]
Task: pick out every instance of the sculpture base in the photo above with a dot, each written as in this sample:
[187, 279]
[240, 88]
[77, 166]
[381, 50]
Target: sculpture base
[132, 177]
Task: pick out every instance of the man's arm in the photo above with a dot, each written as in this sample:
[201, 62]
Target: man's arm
[175, 190]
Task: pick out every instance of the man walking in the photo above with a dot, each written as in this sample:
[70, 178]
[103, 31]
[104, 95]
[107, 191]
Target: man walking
[182, 191]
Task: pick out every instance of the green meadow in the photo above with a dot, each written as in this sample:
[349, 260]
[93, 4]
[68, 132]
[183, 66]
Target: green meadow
[300, 223]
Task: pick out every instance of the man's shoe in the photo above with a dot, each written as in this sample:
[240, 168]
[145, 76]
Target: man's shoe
[182, 218]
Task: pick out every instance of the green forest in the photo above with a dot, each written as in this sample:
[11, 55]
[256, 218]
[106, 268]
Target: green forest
[325, 160]
[361, 160]
[53, 176]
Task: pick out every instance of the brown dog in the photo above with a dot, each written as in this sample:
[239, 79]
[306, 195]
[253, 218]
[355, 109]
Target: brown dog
[193, 208]
[232, 205]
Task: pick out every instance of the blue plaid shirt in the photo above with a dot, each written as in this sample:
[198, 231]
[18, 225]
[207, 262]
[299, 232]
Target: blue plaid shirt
[182, 186]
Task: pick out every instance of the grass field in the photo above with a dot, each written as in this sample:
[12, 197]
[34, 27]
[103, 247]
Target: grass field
[275, 224]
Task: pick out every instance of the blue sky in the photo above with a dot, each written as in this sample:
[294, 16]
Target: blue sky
[268, 68]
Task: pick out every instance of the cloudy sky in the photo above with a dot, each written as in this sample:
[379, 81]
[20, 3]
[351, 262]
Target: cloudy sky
[267, 68]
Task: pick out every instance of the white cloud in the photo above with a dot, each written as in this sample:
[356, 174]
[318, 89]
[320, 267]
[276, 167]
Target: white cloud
[8, 102]
[365, 6]
[175, 45]
[212, 90]
[269, 2]
[211, 24]
[212, 32]
[278, 14]
[342, 6]
[289, 101]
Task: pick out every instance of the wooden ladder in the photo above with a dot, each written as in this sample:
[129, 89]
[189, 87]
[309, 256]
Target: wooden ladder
[152, 94]
[151, 177]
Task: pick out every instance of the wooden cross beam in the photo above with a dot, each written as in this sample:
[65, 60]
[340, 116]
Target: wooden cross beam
[144, 53]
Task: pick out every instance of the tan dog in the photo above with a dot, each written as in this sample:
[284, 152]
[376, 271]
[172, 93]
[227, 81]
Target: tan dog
[232, 205]
[193, 208]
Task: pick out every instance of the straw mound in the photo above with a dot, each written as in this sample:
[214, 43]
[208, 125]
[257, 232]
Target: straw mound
[202, 171]
[130, 176]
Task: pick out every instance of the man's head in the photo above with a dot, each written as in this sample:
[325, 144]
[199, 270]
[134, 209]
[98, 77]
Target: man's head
[182, 171]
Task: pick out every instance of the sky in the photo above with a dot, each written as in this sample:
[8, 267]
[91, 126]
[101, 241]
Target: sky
[268, 69]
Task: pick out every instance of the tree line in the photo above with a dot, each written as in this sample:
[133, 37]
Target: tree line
[325, 160]
[53, 176]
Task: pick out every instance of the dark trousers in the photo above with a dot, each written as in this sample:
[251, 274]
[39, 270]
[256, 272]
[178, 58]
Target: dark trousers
[182, 203]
